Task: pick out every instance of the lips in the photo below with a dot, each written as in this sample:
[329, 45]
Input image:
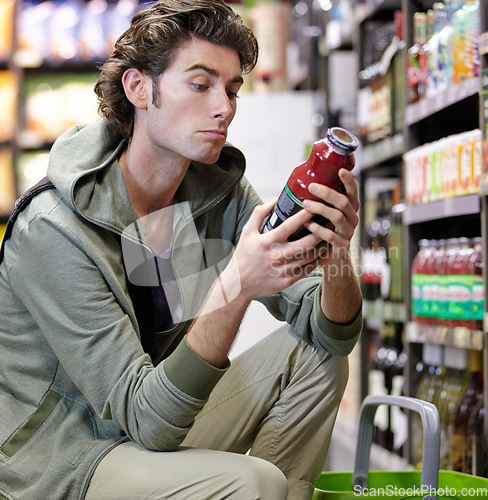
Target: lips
[220, 135]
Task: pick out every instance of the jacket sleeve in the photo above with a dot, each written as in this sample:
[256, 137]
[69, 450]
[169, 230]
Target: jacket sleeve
[299, 304]
[71, 296]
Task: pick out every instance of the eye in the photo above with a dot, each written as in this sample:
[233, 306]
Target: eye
[232, 95]
[200, 87]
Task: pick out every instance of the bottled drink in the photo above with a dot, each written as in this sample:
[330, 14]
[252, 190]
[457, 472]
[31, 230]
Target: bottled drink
[453, 387]
[459, 286]
[431, 53]
[429, 385]
[460, 450]
[442, 282]
[395, 247]
[328, 156]
[413, 60]
[424, 288]
[476, 431]
[398, 79]
[478, 288]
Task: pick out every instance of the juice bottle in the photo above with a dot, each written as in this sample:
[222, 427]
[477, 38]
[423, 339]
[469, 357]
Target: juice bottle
[459, 287]
[476, 268]
[429, 293]
[418, 279]
[328, 156]
[441, 282]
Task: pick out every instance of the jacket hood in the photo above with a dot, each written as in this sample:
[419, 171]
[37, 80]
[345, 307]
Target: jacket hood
[84, 169]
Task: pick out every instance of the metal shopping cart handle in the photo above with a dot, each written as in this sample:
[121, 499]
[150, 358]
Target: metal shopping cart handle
[431, 438]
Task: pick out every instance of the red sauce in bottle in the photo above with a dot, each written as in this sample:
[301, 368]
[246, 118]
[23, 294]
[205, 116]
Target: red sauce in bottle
[328, 156]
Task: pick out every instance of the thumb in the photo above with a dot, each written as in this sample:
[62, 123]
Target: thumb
[259, 213]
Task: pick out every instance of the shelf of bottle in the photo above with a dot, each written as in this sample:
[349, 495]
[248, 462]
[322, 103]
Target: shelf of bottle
[385, 310]
[442, 335]
[380, 152]
[441, 209]
[455, 93]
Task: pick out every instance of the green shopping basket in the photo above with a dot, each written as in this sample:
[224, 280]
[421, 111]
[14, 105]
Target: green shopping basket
[428, 484]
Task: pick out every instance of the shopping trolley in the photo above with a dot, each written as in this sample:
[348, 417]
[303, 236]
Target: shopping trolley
[428, 484]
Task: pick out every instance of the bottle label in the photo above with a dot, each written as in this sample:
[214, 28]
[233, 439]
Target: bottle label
[460, 301]
[478, 298]
[417, 281]
[286, 206]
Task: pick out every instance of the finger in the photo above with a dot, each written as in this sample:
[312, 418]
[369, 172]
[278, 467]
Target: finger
[289, 226]
[342, 216]
[351, 186]
[259, 213]
[335, 238]
[331, 196]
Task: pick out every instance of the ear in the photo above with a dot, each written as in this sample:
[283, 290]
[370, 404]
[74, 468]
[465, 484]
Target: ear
[134, 83]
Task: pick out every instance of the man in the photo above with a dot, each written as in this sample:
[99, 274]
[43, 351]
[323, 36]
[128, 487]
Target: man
[115, 387]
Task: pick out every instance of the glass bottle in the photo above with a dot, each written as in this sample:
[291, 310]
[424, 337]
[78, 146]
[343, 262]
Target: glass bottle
[327, 157]
[460, 450]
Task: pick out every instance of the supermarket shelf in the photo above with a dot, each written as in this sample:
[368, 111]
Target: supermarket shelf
[450, 207]
[385, 310]
[442, 335]
[454, 94]
[383, 151]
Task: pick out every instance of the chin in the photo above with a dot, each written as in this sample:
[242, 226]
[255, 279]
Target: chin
[210, 158]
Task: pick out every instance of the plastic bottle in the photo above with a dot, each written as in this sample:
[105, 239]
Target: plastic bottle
[418, 279]
[327, 157]
[442, 282]
[430, 291]
[459, 286]
[476, 270]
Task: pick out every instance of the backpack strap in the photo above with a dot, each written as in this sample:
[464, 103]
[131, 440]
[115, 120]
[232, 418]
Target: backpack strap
[20, 204]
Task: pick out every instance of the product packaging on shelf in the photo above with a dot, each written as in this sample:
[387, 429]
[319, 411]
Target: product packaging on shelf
[447, 283]
[448, 167]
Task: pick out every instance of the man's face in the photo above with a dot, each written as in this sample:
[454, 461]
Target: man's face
[197, 102]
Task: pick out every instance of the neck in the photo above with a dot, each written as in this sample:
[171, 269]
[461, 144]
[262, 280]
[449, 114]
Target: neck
[151, 186]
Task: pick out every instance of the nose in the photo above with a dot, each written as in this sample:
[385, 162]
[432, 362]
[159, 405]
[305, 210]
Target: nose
[224, 109]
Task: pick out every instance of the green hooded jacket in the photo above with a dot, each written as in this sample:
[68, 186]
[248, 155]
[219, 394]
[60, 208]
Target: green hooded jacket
[74, 378]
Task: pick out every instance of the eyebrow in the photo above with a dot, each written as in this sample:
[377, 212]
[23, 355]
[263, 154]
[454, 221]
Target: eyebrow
[213, 72]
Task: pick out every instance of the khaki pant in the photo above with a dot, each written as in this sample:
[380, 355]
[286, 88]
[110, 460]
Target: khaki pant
[279, 399]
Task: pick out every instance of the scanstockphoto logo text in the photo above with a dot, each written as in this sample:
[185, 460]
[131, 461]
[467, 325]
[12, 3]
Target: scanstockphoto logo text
[421, 491]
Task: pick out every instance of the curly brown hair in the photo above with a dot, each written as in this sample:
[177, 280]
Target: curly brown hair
[151, 42]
